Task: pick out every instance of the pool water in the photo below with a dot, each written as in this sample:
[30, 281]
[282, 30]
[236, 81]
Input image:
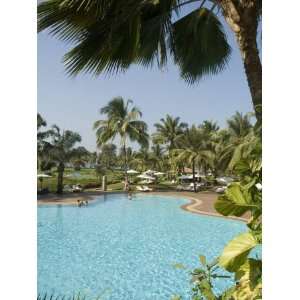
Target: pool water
[122, 249]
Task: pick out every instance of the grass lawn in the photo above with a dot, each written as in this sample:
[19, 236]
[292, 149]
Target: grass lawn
[88, 179]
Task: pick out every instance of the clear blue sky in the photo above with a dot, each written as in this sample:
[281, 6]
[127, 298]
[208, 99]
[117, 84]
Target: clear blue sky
[74, 103]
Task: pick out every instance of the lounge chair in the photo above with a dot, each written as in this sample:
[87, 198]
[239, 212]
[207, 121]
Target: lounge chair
[67, 189]
[143, 188]
[77, 188]
[139, 188]
[179, 187]
[220, 190]
[147, 189]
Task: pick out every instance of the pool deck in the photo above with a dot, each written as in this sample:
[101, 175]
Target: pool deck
[200, 203]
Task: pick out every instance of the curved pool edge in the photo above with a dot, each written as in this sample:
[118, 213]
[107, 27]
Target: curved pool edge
[192, 206]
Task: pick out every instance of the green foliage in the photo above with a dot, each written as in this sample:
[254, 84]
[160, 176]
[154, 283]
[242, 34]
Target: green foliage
[123, 122]
[202, 280]
[137, 32]
[236, 251]
[235, 202]
[107, 156]
[239, 198]
[168, 131]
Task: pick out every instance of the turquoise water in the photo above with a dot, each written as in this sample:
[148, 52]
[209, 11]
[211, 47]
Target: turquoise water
[126, 250]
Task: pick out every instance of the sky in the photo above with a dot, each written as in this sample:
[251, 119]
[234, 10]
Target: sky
[74, 103]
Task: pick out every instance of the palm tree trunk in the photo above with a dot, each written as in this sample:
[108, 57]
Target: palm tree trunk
[125, 166]
[60, 171]
[194, 179]
[242, 17]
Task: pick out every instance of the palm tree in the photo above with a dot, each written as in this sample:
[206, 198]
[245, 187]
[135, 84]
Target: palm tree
[239, 125]
[122, 121]
[43, 145]
[228, 145]
[142, 159]
[192, 149]
[111, 35]
[219, 154]
[158, 157]
[63, 151]
[209, 126]
[168, 131]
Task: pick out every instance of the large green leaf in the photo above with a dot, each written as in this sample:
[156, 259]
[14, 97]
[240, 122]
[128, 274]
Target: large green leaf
[235, 201]
[236, 251]
[249, 277]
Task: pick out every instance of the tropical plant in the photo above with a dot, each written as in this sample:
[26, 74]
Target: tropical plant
[239, 198]
[81, 158]
[229, 145]
[108, 156]
[168, 131]
[142, 159]
[192, 148]
[122, 121]
[63, 150]
[210, 126]
[92, 159]
[159, 159]
[43, 146]
[239, 125]
[111, 35]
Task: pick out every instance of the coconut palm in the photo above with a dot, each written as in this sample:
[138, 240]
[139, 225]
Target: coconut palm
[159, 158]
[192, 149]
[111, 35]
[168, 131]
[239, 125]
[142, 159]
[63, 150]
[230, 145]
[209, 126]
[121, 121]
[43, 145]
[219, 155]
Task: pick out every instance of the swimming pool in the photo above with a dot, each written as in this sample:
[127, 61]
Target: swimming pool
[126, 250]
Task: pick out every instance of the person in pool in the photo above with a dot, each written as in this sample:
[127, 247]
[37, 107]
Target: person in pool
[129, 193]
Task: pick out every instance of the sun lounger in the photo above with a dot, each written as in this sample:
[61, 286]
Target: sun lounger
[143, 188]
[179, 187]
[67, 189]
[147, 189]
[77, 188]
[139, 188]
[220, 190]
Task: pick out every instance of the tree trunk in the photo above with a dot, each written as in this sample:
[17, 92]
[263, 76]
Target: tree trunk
[125, 167]
[242, 17]
[194, 179]
[60, 171]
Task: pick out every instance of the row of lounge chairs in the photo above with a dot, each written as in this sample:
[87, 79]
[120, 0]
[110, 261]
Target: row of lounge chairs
[190, 187]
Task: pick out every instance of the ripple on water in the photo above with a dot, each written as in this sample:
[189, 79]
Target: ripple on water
[127, 250]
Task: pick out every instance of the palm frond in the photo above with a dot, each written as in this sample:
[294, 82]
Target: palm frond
[208, 50]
